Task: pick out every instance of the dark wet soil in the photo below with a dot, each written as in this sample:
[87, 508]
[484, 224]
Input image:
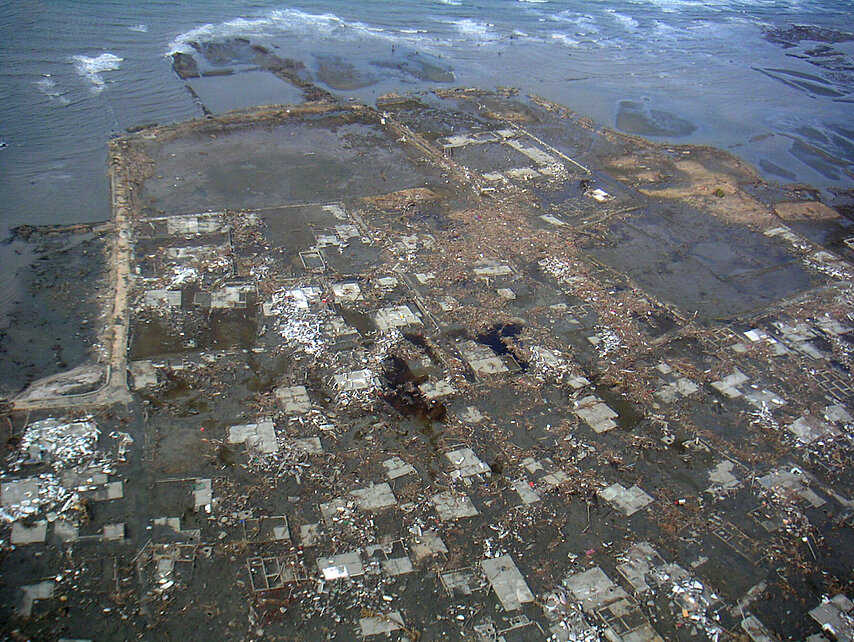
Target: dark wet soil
[795, 34]
[52, 327]
[732, 270]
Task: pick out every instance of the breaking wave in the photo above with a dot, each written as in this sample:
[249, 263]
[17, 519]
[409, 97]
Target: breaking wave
[564, 39]
[584, 24]
[474, 30]
[624, 21]
[92, 68]
[297, 23]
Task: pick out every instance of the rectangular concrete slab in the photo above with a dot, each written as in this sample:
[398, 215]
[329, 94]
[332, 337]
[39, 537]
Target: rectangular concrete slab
[384, 624]
[507, 582]
[374, 497]
[451, 506]
[28, 534]
[294, 399]
[341, 566]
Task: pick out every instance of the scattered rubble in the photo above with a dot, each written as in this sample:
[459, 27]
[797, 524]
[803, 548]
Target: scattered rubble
[462, 374]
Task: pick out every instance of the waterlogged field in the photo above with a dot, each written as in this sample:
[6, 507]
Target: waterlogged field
[771, 80]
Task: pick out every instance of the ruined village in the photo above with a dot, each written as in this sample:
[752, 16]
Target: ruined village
[460, 366]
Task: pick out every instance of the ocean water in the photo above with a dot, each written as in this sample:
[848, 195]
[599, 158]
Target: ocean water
[731, 73]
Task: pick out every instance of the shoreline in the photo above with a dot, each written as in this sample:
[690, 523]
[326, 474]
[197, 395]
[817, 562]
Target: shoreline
[114, 388]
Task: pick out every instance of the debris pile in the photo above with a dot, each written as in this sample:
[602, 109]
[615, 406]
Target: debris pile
[61, 442]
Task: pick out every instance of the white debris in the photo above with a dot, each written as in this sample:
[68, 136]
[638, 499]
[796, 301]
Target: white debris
[354, 380]
[398, 316]
[61, 442]
[298, 325]
[346, 291]
[606, 342]
[560, 269]
[600, 195]
[549, 363]
[23, 497]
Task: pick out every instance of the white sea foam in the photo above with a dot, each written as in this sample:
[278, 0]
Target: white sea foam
[291, 22]
[474, 30]
[585, 24]
[222, 30]
[675, 6]
[625, 21]
[92, 68]
[47, 86]
[564, 39]
[665, 31]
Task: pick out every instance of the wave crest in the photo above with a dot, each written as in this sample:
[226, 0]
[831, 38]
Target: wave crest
[92, 68]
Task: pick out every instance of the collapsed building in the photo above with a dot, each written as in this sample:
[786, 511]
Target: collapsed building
[462, 366]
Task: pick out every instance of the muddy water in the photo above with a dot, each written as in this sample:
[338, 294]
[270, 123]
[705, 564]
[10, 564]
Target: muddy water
[291, 163]
[500, 338]
[216, 331]
[220, 94]
[732, 270]
[336, 73]
[628, 415]
[636, 117]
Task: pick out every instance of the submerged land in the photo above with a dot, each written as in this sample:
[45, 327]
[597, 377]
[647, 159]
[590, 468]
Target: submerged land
[460, 366]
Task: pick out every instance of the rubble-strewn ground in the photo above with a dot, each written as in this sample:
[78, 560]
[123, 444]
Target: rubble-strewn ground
[461, 367]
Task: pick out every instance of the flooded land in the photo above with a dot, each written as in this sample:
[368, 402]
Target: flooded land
[461, 366]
